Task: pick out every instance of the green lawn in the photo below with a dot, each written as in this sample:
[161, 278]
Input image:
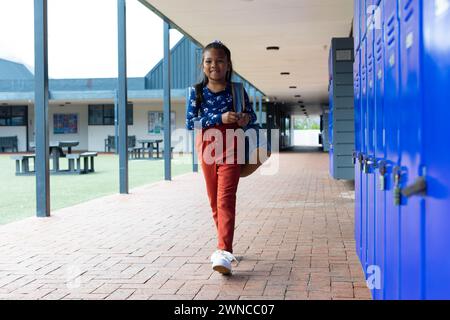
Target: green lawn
[18, 196]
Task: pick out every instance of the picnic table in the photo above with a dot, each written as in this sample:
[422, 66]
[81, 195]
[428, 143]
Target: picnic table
[56, 152]
[148, 145]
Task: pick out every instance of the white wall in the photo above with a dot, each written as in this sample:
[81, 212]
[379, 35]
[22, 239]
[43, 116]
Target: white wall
[92, 138]
[20, 132]
[81, 136]
[306, 138]
[98, 134]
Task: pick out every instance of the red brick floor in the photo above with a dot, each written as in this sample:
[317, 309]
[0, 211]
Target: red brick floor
[293, 240]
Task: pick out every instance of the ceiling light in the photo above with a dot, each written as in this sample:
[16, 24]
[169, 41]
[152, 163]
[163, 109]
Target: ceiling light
[273, 48]
[292, 87]
[285, 73]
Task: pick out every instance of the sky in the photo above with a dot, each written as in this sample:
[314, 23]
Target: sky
[82, 37]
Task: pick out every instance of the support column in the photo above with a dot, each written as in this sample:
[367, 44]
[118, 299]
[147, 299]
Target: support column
[41, 109]
[167, 104]
[193, 77]
[260, 109]
[116, 122]
[122, 98]
[254, 100]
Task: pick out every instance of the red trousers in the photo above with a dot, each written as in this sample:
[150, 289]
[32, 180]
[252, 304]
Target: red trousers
[221, 183]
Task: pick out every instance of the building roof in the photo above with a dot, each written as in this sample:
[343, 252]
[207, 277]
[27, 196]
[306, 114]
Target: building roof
[10, 70]
[17, 82]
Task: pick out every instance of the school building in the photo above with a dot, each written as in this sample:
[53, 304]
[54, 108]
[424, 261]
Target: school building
[366, 216]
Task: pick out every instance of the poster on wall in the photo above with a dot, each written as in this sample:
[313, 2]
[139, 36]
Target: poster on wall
[65, 123]
[156, 122]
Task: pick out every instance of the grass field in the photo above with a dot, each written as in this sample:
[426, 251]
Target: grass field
[18, 195]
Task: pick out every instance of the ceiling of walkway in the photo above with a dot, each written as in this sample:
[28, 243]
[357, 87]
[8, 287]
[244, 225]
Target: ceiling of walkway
[302, 29]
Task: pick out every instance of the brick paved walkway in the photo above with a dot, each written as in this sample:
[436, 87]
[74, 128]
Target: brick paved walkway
[294, 240]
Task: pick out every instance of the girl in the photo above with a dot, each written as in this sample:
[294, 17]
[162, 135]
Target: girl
[211, 106]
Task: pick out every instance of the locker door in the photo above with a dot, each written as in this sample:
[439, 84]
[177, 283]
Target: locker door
[364, 155]
[437, 147]
[412, 212]
[357, 97]
[380, 156]
[391, 110]
[370, 137]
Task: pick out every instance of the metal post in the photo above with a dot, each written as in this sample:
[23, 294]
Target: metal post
[193, 77]
[260, 109]
[116, 122]
[254, 99]
[167, 105]
[122, 98]
[41, 109]
[193, 137]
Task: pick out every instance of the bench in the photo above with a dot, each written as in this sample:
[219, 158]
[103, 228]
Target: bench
[110, 143]
[171, 152]
[8, 143]
[88, 157]
[23, 164]
[135, 152]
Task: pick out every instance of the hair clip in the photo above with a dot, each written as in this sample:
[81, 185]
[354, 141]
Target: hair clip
[217, 41]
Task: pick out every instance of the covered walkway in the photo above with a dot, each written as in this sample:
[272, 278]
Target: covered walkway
[294, 240]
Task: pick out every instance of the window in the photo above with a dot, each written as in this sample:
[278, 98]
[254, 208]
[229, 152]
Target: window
[13, 115]
[103, 114]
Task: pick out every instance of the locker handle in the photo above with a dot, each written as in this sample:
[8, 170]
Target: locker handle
[418, 187]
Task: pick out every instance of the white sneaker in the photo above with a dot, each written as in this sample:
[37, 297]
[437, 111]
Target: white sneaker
[221, 261]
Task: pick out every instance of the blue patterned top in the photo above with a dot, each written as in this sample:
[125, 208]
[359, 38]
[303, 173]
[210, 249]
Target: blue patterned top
[214, 104]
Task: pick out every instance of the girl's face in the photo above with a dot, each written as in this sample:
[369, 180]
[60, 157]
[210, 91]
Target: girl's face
[215, 65]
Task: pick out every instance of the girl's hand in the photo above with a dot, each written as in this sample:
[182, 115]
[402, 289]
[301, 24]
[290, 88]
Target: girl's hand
[243, 120]
[229, 117]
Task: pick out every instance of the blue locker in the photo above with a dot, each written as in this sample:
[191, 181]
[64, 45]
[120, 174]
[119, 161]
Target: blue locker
[364, 155]
[412, 212]
[380, 152]
[357, 98]
[392, 102]
[436, 22]
[370, 145]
